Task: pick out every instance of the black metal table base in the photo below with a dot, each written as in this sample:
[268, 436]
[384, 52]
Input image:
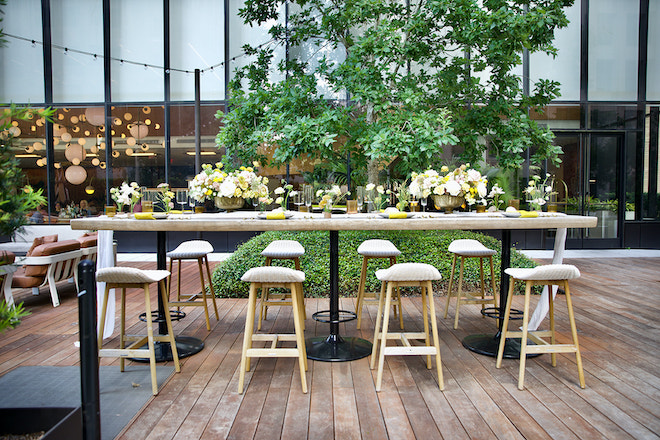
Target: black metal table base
[336, 348]
[185, 346]
[489, 345]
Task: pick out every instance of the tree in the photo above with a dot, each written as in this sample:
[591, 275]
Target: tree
[418, 76]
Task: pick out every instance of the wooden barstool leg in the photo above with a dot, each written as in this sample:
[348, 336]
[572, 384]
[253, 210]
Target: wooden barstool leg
[203, 294]
[296, 262]
[449, 289]
[383, 337]
[523, 339]
[459, 292]
[212, 289]
[300, 340]
[263, 311]
[122, 328]
[398, 298]
[377, 334]
[247, 337]
[551, 317]
[436, 338]
[361, 289]
[170, 331]
[178, 281]
[150, 340]
[571, 320]
[104, 309]
[425, 319]
[505, 324]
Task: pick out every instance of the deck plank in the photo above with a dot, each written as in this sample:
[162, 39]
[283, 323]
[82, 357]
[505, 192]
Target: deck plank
[616, 307]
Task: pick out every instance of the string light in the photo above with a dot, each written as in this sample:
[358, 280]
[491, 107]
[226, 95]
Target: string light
[146, 66]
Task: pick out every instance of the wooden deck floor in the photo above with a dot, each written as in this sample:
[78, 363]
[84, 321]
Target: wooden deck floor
[617, 305]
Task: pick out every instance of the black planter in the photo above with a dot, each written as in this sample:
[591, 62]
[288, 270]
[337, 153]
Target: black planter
[58, 423]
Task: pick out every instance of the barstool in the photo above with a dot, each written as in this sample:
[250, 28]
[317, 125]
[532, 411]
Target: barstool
[401, 275]
[470, 249]
[279, 250]
[552, 274]
[369, 249]
[193, 250]
[129, 277]
[266, 278]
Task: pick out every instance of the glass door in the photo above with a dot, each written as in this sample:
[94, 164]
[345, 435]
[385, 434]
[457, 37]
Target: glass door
[588, 183]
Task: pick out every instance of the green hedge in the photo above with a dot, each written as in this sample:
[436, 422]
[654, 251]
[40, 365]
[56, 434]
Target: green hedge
[416, 246]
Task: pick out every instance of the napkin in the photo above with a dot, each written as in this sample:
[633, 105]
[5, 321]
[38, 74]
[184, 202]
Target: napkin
[144, 216]
[398, 215]
[528, 214]
[275, 216]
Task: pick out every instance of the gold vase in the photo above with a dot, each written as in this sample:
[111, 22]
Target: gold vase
[229, 203]
[447, 202]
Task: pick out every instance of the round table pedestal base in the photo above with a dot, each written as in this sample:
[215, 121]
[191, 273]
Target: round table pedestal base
[337, 349]
[489, 344]
[185, 346]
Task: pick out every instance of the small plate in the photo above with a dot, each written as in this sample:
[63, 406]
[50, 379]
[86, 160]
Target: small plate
[511, 214]
[387, 214]
[264, 215]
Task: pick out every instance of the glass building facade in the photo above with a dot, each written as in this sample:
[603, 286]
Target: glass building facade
[137, 84]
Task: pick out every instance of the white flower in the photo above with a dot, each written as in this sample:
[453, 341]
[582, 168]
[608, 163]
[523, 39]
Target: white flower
[279, 190]
[227, 188]
[369, 187]
[453, 188]
[482, 190]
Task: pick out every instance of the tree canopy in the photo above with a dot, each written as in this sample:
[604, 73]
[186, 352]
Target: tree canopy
[410, 78]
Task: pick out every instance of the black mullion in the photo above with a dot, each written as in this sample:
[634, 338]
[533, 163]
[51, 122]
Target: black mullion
[166, 93]
[107, 98]
[642, 59]
[584, 62]
[48, 100]
[653, 169]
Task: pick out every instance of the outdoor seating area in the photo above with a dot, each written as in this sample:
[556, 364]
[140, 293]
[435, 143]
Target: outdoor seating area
[284, 219]
[616, 326]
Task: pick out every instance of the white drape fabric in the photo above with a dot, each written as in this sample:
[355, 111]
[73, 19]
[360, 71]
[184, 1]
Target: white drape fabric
[105, 258]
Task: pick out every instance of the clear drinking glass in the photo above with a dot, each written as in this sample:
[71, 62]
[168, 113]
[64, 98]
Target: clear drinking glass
[182, 198]
[360, 198]
[298, 199]
[308, 194]
[423, 201]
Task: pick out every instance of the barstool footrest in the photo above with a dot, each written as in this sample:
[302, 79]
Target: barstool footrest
[494, 312]
[344, 316]
[175, 315]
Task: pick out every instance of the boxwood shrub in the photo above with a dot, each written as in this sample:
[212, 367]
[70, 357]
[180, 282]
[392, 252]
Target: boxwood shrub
[415, 246]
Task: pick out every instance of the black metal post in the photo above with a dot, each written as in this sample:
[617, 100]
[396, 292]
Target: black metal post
[334, 288]
[89, 361]
[334, 348]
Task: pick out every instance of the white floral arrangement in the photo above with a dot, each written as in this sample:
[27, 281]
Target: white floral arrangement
[377, 195]
[166, 195]
[283, 193]
[495, 197]
[538, 193]
[126, 194]
[215, 182]
[330, 196]
[461, 182]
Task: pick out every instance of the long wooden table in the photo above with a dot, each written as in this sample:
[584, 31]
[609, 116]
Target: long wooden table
[334, 347]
